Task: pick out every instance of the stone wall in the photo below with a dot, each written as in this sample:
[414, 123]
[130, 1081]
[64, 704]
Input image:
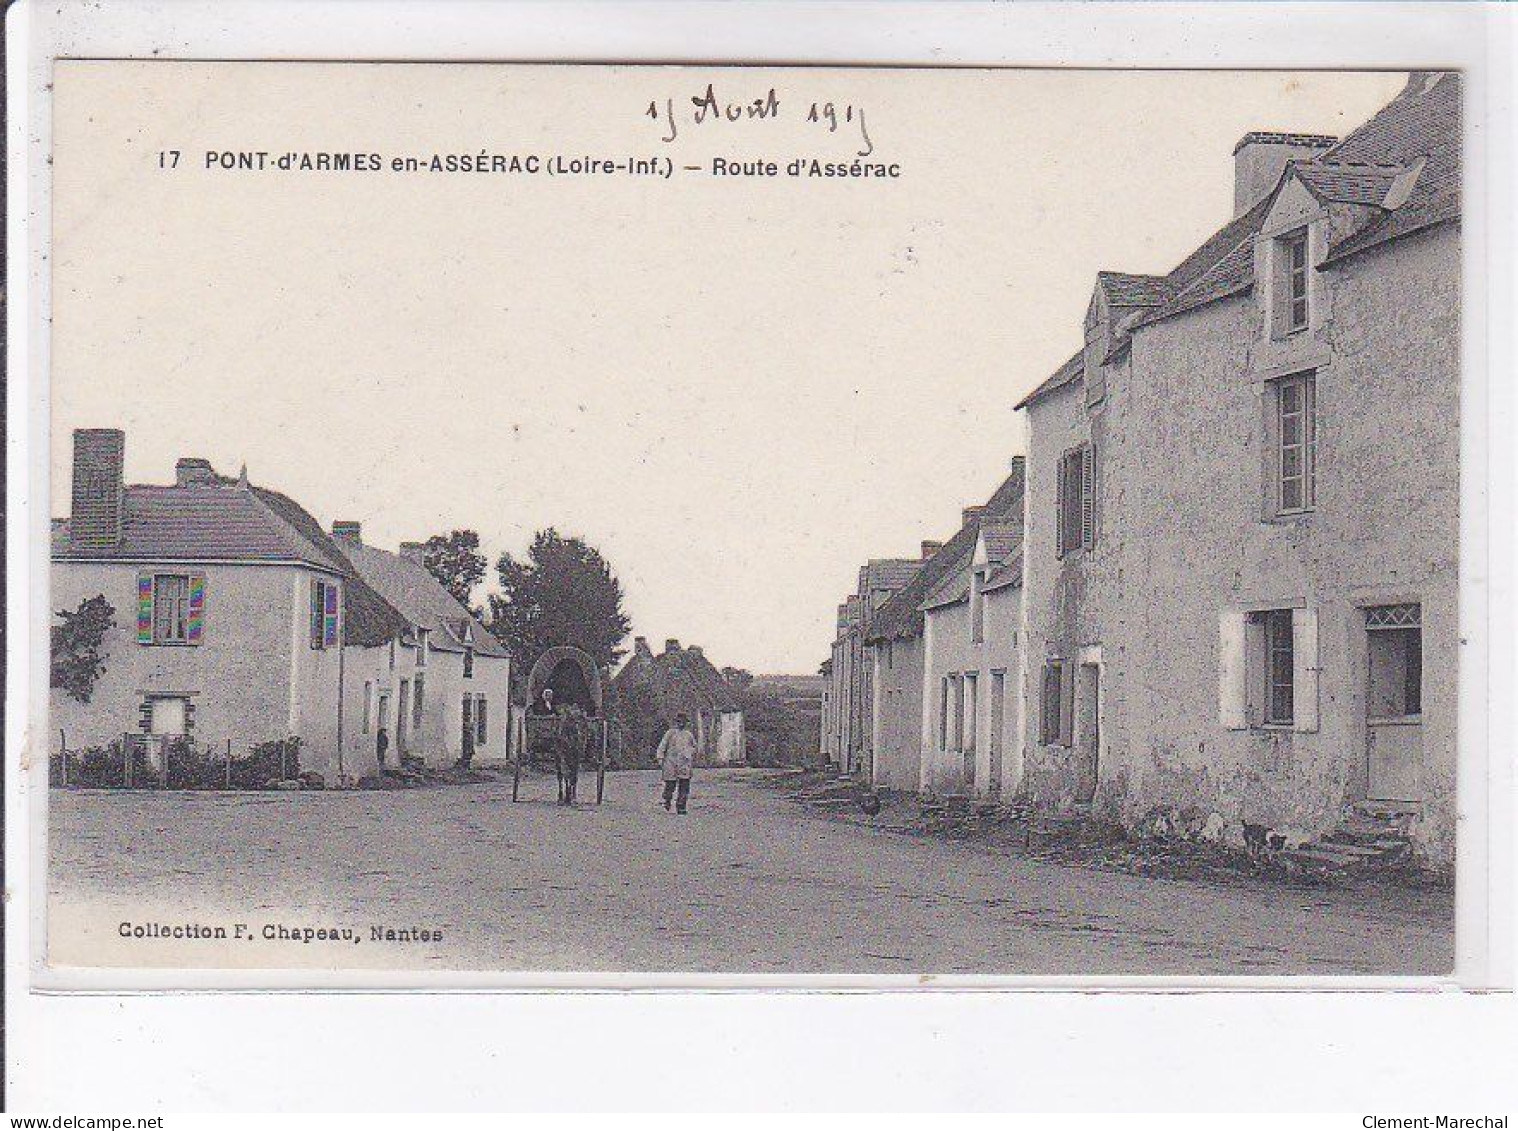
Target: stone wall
[898, 714]
[1185, 535]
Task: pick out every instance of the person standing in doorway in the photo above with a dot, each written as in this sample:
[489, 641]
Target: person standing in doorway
[677, 757]
[381, 745]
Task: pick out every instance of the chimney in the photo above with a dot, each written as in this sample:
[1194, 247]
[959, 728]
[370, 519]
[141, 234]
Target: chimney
[1260, 158]
[414, 551]
[95, 511]
[671, 645]
[347, 531]
[969, 514]
[930, 548]
[192, 471]
[695, 650]
[640, 646]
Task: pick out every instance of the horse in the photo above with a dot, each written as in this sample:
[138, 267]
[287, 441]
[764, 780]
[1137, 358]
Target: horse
[568, 751]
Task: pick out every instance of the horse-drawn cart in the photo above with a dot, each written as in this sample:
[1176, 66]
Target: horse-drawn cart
[564, 724]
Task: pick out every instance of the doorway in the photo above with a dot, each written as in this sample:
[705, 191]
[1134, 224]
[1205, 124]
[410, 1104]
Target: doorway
[467, 715]
[402, 717]
[997, 725]
[972, 718]
[1394, 703]
[1088, 730]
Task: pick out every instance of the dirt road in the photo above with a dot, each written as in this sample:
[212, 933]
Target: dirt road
[747, 882]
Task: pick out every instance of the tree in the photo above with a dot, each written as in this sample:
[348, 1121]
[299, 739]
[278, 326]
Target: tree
[455, 560]
[76, 660]
[564, 593]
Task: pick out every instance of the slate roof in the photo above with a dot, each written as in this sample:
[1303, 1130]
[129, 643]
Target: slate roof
[1355, 183]
[1423, 121]
[421, 598]
[901, 617]
[1372, 167]
[1135, 290]
[890, 573]
[954, 587]
[1061, 377]
[1003, 538]
[235, 522]
[1004, 576]
[198, 524]
[368, 619]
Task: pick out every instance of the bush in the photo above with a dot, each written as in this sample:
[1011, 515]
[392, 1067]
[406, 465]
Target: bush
[95, 767]
[190, 766]
[275, 760]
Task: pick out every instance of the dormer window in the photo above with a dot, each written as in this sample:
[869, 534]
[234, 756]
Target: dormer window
[1291, 282]
[421, 647]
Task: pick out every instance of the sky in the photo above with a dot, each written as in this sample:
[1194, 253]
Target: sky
[739, 388]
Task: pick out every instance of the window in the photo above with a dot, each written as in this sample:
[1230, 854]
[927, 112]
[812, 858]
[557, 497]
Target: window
[972, 710]
[468, 663]
[171, 611]
[1297, 443]
[1268, 673]
[1054, 705]
[170, 608]
[421, 647]
[1291, 282]
[479, 721]
[1394, 641]
[943, 714]
[1280, 691]
[323, 613]
[168, 715]
[1076, 489]
[392, 653]
[959, 711]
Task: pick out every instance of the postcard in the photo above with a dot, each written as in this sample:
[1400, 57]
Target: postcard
[753, 521]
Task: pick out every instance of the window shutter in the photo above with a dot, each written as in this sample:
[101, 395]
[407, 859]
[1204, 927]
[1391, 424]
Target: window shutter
[1059, 510]
[195, 617]
[1088, 497]
[316, 612]
[1067, 704]
[329, 615]
[1232, 698]
[1304, 669]
[144, 608]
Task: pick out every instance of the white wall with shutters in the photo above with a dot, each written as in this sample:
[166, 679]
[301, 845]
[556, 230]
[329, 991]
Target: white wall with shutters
[1304, 669]
[1233, 706]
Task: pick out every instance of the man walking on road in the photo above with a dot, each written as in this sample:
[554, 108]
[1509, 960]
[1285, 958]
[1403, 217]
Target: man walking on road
[677, 756]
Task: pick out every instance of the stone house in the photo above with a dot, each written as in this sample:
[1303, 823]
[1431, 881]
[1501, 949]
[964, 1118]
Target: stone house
[649, 690]
[1239, 564]
[972, 662]
[849, 745]
[906, 752]
[234, 611]
[442, 688]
